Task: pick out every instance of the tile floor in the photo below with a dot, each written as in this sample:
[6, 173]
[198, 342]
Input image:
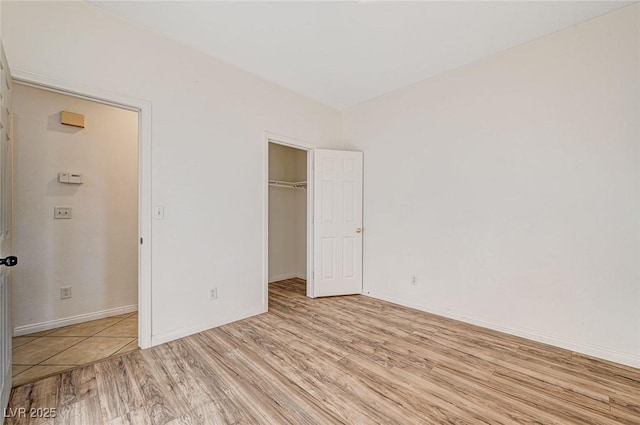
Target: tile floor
[45, 353]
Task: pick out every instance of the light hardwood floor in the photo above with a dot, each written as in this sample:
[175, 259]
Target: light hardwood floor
[340, 360]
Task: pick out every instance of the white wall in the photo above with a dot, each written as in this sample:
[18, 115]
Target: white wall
[510, 186]
[287, 214]
[208, 128]
[95, 252]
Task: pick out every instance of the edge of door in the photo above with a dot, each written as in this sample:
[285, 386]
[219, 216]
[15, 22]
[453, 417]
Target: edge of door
[310, 223]
[143, 108]
[308, 147]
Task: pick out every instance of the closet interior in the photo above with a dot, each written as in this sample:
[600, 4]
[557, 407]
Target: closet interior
[287, 213]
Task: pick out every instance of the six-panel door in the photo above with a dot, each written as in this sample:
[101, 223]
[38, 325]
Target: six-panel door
[337, 223]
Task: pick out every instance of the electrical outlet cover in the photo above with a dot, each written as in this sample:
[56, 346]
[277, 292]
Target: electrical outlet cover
[62, 212]
[65, 292]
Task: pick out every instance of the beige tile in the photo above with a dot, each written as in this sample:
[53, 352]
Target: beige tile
[126, 328]
[133, 345]
[85, 329]
[35, 373]
[41, 349]
[22, 340]
[16, 369]
[89, 350]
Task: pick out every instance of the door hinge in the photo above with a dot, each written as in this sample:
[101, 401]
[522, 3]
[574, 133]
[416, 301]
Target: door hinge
[140, 241]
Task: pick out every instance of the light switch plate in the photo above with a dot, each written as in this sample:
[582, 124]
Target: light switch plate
[158, 212]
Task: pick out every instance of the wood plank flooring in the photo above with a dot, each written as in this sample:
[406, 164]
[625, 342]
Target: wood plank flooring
[343, 360]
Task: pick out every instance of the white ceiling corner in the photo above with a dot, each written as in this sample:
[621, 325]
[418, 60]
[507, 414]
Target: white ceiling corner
[344, 53]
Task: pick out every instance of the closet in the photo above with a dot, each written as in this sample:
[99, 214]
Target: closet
[287, 213]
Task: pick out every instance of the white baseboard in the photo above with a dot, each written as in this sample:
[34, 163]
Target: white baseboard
[280, 277]
[286, 276]
[58, 323]
[181, 333]
[627, 359]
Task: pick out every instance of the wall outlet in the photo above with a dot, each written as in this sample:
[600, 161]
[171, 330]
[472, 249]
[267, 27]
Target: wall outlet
[65, 292]
[62, 212]
[414, 280]
[213, 294]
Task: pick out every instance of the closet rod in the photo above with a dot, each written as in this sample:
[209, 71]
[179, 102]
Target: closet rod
[292, 185]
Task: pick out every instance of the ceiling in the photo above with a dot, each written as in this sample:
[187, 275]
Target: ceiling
[344, 53]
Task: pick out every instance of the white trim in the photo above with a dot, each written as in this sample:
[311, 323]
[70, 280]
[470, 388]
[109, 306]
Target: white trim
[280, 277]
[310, 211]
[144, 178]
[287, 141]
[286, 276]
[58, 323]
[627, 359]
[5, 394]
[297, 144]
[5, 386]
[205, 326]
[56, 89]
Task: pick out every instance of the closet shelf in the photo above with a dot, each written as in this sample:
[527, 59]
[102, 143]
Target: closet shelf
[291, 185]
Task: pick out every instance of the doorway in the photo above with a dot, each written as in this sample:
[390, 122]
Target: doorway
[143, 108]
[288, 224]
[76, 203]
[333, 218]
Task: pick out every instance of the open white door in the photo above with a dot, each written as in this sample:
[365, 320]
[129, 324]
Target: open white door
[337, 223]
[6, 189]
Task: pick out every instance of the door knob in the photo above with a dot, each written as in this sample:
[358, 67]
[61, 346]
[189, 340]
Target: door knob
[359, 230]
[10, 261]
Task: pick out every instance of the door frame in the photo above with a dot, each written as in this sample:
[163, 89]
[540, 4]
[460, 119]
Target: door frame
[296, 144]
[143, 108]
